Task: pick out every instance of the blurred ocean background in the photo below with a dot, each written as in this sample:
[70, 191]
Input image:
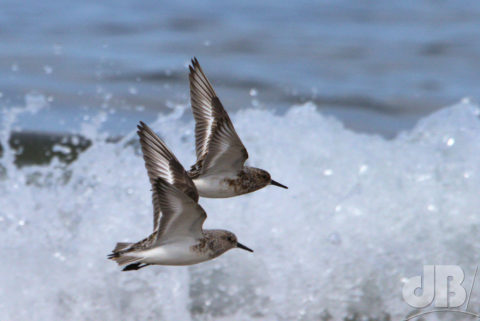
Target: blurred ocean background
[376, 65]
[365, 109]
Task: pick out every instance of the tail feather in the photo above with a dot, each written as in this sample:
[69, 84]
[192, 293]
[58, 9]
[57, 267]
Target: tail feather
[121, 246]
[124, 259]
[122, 255]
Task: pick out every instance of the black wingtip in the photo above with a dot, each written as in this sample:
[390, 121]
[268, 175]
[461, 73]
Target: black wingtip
[141, 126]
[195, 64]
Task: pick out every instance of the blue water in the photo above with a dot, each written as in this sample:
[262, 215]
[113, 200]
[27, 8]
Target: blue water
[377, 66]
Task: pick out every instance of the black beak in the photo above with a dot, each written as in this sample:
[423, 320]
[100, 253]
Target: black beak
[278, 184]
[243, 247]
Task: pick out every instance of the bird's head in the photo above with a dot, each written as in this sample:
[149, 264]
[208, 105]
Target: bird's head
[265, 179]
[227, 240]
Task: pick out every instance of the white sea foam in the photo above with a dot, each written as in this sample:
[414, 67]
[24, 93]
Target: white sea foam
[361, 214]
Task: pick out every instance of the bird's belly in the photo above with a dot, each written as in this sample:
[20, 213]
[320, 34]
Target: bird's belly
[214, 187]
[178, 253]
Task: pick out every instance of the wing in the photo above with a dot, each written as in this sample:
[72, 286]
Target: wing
[160, 162]
[217, 144]
[181, 216]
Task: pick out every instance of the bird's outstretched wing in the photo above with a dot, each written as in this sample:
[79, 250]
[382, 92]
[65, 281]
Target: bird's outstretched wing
[181, 215]
[160, 162]
[217, 144]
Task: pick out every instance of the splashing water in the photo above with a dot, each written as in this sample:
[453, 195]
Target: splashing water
[361, 213]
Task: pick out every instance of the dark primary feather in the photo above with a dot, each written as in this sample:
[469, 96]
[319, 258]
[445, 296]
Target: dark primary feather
[218, 146]
[161, 162]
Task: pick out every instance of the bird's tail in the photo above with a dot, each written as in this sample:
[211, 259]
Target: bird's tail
[122, 246]
[123, 254]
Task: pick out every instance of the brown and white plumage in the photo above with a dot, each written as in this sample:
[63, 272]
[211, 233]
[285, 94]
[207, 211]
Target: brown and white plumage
[181, 215]
[220, 169]
[178, 237]
[161, 162]
[218, 146]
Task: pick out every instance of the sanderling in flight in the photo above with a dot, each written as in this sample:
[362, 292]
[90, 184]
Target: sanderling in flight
[219, 171]
[178, 237]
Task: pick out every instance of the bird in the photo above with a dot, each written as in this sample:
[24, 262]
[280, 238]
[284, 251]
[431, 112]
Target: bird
[178, 237]
[219, 171]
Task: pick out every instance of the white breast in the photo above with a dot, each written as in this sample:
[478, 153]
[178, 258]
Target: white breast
[176, 253]
[213, 187]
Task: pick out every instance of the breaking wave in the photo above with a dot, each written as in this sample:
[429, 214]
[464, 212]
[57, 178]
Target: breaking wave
[361, 214]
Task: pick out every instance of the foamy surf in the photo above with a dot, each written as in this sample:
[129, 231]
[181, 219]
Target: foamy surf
[362, 213]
